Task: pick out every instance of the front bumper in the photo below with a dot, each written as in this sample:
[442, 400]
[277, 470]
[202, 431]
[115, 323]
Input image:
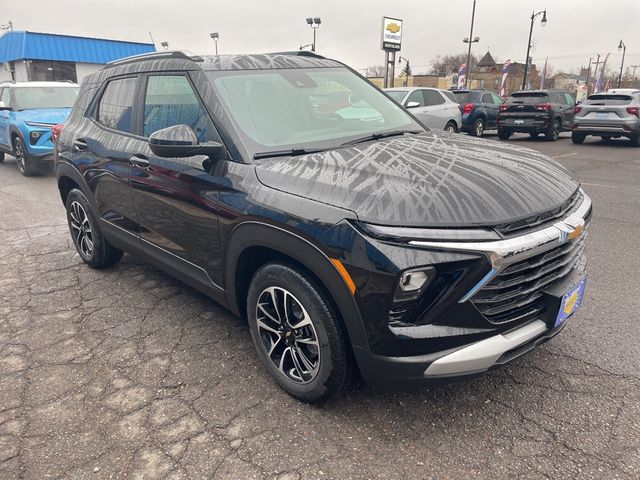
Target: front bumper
[457, 347]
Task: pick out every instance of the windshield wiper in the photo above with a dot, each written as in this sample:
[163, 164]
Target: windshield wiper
[378, 136]
[290, 152]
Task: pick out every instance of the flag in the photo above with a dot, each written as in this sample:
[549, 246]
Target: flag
[505, 74]
[544, 73]
[600, 81]
[607, 85]
[462, 75]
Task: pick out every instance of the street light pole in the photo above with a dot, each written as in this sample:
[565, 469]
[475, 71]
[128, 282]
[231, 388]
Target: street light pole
[314, 23]
[622, 47]
[215, 36]
[470, 40]
[543, 22]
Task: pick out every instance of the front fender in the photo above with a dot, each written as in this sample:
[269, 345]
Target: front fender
[258, 234]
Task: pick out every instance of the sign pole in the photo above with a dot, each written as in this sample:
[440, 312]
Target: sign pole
[391, 42]
[385, 83]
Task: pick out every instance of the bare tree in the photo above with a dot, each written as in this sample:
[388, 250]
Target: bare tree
[444, 65]
[374, 71]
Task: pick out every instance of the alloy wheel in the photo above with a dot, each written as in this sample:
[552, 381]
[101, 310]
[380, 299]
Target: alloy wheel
[288, 335]
[81, 227]
[20, 160]
[479, 129]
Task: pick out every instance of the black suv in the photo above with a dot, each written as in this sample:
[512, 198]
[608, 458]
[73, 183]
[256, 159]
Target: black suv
[479, 110]
[535, 112]
[350, 237]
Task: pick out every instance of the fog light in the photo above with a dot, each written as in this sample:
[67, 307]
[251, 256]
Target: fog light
[34, 137]
[413, 280]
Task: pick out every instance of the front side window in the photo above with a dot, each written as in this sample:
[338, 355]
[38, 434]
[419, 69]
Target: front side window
[27, 98]
[115, 109]
[397, 95]
[416, 97]
[170, 100]
[305, 107]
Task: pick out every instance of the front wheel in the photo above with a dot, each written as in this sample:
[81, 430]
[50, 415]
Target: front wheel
[552, 133]
[297, 333]
[478, 128]
[578, 137]
[88, 239]
[450, 127]
[534, 134]
[28, 166]
[504, 134]
[1, 157]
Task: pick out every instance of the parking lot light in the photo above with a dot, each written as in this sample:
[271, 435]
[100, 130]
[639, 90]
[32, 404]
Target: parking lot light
[543, 22]
[314, 23]
[215, 36]
[623, 47]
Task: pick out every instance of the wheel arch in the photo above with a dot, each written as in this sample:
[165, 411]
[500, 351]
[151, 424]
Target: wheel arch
[252, 244]
[68, 179]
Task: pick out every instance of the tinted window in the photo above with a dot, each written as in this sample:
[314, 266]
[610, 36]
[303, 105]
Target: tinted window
[431, 97]
[116, 105]
[528, 98]
[486, 98]
[466, 97]
[569, 99]
[170, 100]
[450, 96]
[5, 96]
[416, 97]
[608, 99]
[496, 99]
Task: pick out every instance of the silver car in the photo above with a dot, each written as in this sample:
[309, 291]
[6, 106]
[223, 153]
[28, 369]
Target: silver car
[608, 115]
[436, 108]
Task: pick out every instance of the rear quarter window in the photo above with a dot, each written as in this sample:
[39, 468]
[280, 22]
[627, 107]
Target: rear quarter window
[115, 109]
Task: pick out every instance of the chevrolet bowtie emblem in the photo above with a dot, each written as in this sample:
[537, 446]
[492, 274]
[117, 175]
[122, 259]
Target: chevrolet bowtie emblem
[569, 232]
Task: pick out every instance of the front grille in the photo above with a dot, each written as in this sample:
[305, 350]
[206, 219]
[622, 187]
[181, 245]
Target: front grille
[516, 292]
[543, 219]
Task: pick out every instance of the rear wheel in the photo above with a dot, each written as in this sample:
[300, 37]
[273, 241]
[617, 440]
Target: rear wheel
[504, 134]
[297, 334]
[577, 137]
[450, 127]
[88, 239]
[552, 133]
[478, 128]
[1, 157]
[635, 140]
[27, 165]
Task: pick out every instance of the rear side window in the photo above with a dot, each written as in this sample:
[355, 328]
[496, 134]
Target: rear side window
[431, 97]
[115, 109]
[569, 99]
[496, 99]
[170, 100]
[450, 96]
[486, 98]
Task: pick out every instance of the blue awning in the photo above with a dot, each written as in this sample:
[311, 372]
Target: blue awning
[19, 45]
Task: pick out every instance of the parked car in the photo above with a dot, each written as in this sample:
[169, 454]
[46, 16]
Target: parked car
[408, 255]
[479, 110]
[537, 111]
[28, 111]
[436, 108]
[608, 115]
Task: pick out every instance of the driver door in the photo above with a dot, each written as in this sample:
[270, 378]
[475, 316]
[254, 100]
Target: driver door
[176, 199]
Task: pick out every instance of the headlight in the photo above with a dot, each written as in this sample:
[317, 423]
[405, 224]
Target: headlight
[406, 234]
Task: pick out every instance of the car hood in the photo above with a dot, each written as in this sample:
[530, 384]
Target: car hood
[432, 179]
[44, 115]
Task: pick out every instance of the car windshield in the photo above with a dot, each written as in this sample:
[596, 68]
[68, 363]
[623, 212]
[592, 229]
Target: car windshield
[609, 99]
[44, 97]
[313, 108]
[467, 97]
[397, 95]
[527, 98]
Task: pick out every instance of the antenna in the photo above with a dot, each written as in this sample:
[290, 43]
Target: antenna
[152, 40]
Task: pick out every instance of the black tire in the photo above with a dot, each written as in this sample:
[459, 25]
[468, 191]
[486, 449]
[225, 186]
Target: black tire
[94, 249]
[1, 157]
[504, 134]
[635, 140]
[27, 166]
[578, 137]
[451, 127]
[534, 134]
[333, 366]
[478, 128]
[552, 133]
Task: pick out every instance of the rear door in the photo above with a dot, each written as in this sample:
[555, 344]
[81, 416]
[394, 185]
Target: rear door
[491, 108]
[436, 107]
[568, 110]
[101, 148]
[177, 198]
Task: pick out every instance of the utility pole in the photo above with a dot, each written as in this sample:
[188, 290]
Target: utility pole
[595, 73]
[588, 75]
[470, 41]
[633, 75]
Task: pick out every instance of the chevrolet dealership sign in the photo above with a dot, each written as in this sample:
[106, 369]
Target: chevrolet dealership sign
[391, 34]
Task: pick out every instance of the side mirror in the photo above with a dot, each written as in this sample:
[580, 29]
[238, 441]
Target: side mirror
[413, 104]
[181, 141]
[3, 106]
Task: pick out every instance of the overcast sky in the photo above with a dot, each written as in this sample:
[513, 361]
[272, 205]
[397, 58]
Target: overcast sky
[350, 30]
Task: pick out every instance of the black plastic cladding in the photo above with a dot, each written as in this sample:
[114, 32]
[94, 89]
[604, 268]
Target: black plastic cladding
[300, 206]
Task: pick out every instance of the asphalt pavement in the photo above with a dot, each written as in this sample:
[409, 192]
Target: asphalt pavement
[128, 373]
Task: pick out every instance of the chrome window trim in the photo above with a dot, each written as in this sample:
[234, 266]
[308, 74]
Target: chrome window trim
[502, 253]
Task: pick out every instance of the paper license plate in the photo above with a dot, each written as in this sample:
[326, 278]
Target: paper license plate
[570, 302]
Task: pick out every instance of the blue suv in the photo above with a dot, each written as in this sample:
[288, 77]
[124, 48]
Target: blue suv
[479, 110]
[28, 113]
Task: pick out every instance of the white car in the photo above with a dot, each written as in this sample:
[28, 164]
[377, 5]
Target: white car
[436, 108]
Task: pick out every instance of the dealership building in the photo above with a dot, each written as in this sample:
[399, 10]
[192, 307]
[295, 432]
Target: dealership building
[32, 56]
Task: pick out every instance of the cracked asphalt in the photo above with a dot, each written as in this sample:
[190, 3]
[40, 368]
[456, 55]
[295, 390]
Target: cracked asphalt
[128, 373]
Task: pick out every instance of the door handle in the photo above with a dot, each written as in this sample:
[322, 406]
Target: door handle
[80, 144]
[139, 161]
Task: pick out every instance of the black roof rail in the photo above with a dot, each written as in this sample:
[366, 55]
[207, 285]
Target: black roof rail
[154, 55]
[300, 53]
